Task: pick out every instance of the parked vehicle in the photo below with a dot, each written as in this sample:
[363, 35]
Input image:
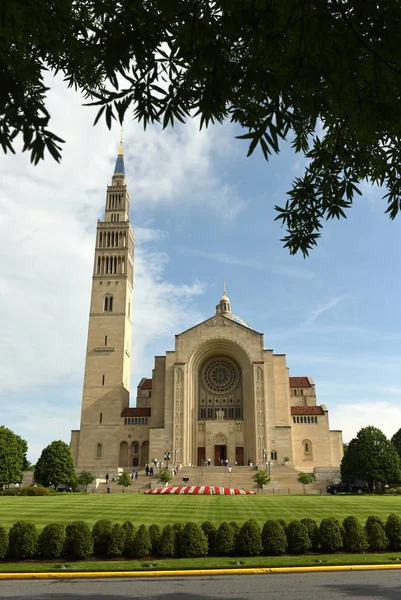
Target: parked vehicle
[359, 487]
[62, 487]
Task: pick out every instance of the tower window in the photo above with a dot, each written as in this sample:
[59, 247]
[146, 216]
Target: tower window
[105, 340]
[108, 304]
[100, 418]
[99, 451]
[103, 378]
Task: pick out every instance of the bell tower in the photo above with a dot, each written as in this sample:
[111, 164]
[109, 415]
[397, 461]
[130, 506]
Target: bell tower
[108, 354]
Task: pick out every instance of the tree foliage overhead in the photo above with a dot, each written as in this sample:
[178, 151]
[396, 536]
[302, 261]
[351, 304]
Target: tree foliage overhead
[55, 465]
[324, 75]
[371, 457]
[12, 456]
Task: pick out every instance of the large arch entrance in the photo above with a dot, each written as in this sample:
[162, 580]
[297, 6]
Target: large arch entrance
[220, 450]
[221, 397]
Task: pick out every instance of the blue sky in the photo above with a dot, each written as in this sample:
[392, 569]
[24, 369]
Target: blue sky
[202, 212]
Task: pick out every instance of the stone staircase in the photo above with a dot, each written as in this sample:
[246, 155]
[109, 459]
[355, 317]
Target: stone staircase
[284, 480]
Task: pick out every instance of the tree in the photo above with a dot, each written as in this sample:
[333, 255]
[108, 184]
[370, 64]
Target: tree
[262, 477]
[165, 476]
[396, 441]
[371, 457]
[85, 478]
[124, 480]
[12, 451]
[277, 69]
[305, 479]
[55, 465]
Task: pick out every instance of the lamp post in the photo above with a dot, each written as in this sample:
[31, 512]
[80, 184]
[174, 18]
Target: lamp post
[265, 455]
[167, 457]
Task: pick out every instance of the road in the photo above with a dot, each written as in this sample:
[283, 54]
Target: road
[363, 585]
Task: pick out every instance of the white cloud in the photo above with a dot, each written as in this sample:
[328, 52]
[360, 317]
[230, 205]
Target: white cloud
[323, 308]
[48, 217]
[351, 418]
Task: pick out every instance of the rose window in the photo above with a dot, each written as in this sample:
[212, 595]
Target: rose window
[220, 376]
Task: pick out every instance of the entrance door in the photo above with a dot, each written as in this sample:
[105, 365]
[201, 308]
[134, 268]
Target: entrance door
[220, 455]
[239, 455]
[201, 455]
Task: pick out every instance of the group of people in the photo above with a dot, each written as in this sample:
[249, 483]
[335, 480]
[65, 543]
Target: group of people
[148, 470]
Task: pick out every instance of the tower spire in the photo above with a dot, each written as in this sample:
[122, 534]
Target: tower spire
[225, 289]
[119, 168]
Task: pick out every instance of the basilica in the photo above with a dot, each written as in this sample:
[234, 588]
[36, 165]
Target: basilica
[218, 395]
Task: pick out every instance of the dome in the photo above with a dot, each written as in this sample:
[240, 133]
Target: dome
[224, 298]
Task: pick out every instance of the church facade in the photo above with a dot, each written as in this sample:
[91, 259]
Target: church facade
[218, 396]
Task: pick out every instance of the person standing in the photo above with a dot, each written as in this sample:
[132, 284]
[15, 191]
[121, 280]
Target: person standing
[107, 478]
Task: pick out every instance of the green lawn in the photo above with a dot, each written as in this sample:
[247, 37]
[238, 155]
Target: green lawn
[147, 509]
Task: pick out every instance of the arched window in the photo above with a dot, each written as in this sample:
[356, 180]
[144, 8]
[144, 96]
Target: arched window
[308, 419]
[100, 418]
[108, 303]
[295, 392]
[307, 445]
[297, 419]
[98, 450]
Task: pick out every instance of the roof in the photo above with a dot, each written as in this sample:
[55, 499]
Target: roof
[145, 384]
[136, 412]
[299, 382]
[119, 168]
[307, 410]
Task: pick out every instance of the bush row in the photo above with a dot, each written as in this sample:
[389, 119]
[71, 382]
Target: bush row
[30, 490]
[78, 541]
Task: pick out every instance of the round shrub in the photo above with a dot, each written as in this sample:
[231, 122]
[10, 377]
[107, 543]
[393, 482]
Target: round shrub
[101, 534]
[52, 540]
[167, 542]
[23, 540]
[376, 536]
[225, 540]
[3, 542]
[355, 539]
[250, 539]
[393, 531]
[193, 542]
[155, 534]
[274, 538]
[130, 531]
[210, 532]
[142, 543]
[117, 541]
[79, 540]
[313, 532]
[236, 528]
[178, 528]
[298, 538]
[330, 538]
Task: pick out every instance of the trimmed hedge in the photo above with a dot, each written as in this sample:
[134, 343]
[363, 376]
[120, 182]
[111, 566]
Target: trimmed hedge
[330, 535]
[250, 539]
[23, 540]
[78, 541]
[101, 534]
[376, 535]
[298, 538]
[274, 538]
[225, 542]
[52, 540]
[117, 539]
[355, 539]
[192, 541]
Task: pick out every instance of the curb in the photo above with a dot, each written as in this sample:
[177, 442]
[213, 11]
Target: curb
[196, 572]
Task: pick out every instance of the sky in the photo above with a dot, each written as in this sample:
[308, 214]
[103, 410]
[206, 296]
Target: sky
[202, 213]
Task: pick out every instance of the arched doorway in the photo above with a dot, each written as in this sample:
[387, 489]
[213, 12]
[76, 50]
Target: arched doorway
[134, 454]
[144, 453]
[220, 450]
[123, 460]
